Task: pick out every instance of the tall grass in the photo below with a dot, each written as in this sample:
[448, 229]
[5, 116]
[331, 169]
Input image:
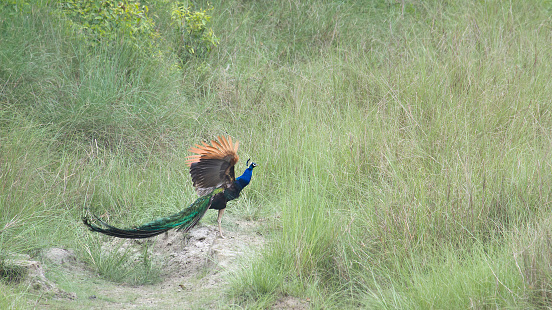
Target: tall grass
[403, 147]
[411, 163]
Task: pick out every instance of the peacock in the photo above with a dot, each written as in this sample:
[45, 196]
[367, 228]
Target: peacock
[212, 172]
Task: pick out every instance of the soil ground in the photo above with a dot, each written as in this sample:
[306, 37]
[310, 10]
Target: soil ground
[194, 268]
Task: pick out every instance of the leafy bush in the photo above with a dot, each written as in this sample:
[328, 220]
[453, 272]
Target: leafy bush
[15, 6]
[107, 19]
[193, 36]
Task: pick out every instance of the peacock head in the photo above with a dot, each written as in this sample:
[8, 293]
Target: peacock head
[253, 165]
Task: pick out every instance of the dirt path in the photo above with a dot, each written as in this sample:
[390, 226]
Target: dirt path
[193, 273]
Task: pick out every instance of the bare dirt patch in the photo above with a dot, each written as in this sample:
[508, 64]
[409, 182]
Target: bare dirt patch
[290, 303]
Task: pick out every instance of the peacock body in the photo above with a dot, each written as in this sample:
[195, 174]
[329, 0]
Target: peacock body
[212, 172]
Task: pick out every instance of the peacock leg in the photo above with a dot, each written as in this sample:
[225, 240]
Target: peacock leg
[221, 212]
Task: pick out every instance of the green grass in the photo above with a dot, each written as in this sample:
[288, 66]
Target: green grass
[11, 298]
[403, 147]
[119, 262]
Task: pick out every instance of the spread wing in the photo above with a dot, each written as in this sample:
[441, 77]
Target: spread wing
[212, 166]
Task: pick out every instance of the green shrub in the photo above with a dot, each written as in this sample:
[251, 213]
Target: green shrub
[193, 36]
[107, 19]
[12, 7]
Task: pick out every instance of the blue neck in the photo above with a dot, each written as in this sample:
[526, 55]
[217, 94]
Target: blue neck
[243, 180]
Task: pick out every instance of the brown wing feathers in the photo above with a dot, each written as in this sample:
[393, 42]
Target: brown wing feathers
[213, 165]
[218, 150]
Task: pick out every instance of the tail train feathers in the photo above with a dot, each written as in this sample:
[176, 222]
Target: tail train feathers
[133, 233]
[184, 220]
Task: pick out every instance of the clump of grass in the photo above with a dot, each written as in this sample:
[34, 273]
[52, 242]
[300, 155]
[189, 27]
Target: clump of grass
[531, 253]
[12, 273]
[11, 298]
[123, 262]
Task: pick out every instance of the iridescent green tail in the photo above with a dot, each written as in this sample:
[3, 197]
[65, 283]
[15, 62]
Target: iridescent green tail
[184, 220]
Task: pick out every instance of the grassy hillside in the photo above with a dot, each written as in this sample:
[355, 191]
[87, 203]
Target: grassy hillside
[404, 147]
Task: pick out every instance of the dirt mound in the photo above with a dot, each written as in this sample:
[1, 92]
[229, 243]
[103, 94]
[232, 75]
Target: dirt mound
[20, 269]
[194, 268]
[58, 257]
[202, 248]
